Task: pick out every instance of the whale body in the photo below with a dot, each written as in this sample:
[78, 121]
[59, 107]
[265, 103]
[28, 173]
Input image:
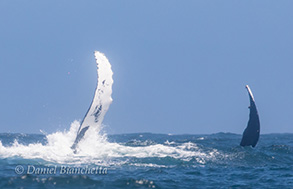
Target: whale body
[251, 133]
[101, 101]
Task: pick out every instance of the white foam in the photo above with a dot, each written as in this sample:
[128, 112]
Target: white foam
[97, 150]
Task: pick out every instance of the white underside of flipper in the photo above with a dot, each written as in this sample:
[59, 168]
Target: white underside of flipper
[102, 99]
[249, 91]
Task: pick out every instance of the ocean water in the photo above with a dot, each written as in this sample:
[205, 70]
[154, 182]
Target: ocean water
[145, 160]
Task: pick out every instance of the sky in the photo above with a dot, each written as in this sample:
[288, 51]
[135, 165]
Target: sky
[180, 67]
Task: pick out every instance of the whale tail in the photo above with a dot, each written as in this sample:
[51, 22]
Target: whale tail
[251, 133]
[101, 100]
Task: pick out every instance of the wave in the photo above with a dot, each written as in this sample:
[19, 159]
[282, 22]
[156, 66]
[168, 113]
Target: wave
[97, 149]
[148, 150]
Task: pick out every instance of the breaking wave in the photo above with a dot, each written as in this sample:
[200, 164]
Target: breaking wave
[96, 149]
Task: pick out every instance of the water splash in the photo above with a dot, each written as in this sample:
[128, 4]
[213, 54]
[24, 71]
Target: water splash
[96, 149]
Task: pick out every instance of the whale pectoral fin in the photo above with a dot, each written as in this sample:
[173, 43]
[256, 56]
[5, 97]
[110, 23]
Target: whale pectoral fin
[251, 133]
[101, 101]
[79, 136]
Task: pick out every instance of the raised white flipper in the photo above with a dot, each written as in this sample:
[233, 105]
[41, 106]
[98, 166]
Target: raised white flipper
[102, 98]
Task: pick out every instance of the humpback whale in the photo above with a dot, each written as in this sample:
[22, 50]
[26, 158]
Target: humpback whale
[101, 101]
[251, 133]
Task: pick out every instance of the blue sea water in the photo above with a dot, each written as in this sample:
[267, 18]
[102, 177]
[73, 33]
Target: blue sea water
[145, 160]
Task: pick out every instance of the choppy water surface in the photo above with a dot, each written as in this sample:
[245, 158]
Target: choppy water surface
[145, 160]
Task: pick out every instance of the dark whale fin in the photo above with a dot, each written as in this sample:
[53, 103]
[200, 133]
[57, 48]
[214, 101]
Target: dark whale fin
[251, 133]
[79, 137]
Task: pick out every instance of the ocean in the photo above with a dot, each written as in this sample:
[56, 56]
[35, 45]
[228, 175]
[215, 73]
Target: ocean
[145, 160]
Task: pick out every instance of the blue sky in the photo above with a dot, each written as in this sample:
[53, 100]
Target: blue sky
[179, 66]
